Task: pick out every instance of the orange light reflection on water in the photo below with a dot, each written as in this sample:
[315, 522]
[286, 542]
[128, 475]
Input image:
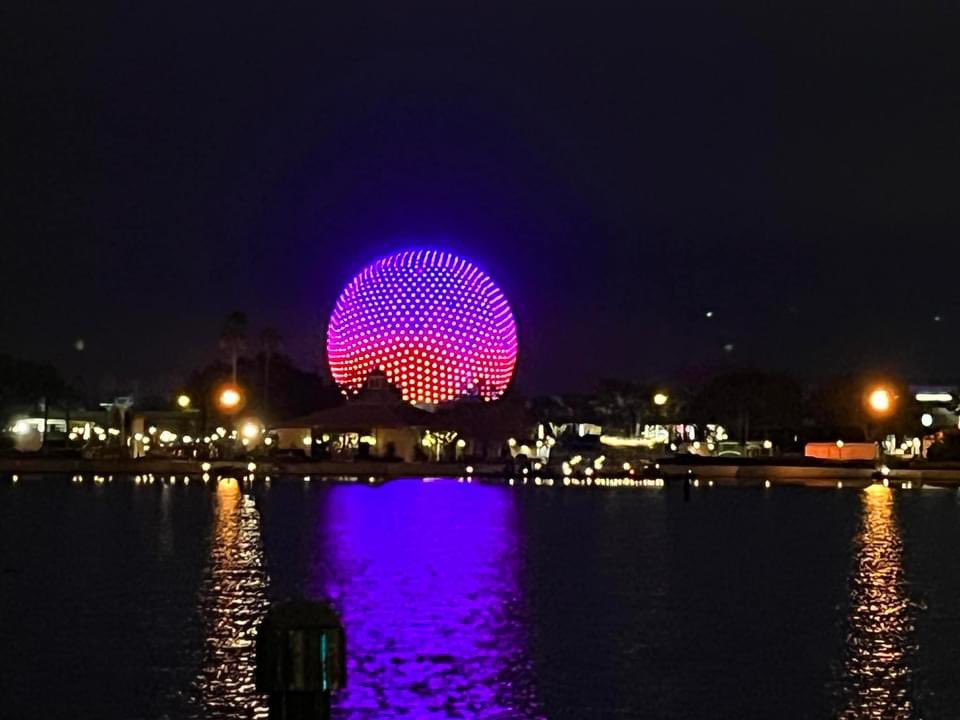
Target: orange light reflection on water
[233, 602]
[877, 671]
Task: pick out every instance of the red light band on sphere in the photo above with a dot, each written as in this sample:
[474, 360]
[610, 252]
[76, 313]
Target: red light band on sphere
[434, 323]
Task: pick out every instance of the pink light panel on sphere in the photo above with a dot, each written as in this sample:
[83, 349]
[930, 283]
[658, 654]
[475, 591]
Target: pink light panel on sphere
[434, 323]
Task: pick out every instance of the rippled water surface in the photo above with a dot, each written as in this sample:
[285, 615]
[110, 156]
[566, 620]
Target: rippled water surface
[125, 600]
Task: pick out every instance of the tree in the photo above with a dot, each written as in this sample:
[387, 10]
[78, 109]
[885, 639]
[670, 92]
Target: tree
[27, 383]
[837, 406]
[748, 402]
[294, 391]
[270, 345]
[233, 338]
[624, 406]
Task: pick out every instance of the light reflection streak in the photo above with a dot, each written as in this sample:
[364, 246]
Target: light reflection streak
[233, 601]
[426, 578]
[877, 679]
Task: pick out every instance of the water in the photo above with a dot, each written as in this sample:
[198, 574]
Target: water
[124, 600]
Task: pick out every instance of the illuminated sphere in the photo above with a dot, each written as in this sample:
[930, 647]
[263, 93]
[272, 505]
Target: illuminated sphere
[435, 324]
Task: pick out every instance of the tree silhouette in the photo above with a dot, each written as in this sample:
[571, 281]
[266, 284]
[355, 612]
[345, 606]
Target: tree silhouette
[749, 400]
[270, 345]
[233, 338]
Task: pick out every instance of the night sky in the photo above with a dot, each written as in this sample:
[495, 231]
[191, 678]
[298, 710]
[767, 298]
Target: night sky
[619, 169]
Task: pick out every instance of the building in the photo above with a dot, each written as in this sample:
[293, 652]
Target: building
[377, 424]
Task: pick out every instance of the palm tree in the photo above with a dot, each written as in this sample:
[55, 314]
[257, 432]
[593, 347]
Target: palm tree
[270, 342]
[233, 338]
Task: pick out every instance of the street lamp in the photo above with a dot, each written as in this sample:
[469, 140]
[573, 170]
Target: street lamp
[250, 430]
[880, 401]
[229, 398]
[183, 401]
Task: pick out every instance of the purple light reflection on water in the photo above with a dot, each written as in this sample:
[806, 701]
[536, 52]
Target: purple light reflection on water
[426, 579]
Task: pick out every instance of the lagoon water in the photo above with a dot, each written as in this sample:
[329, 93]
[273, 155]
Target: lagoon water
[124, 600]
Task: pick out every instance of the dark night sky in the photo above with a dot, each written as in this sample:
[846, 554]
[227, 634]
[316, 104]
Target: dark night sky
[619, 169]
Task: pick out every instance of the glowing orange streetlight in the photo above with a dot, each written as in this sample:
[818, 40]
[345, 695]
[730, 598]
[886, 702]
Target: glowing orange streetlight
[229, 398]
[880, 401]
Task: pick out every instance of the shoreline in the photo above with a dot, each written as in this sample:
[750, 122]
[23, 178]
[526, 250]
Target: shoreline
[725, 472]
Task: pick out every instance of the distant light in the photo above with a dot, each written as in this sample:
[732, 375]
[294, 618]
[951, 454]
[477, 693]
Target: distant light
[926, 420]
[187, 439]
[511, 442]
[205, 466]
[307, 440]
[251, 466]
[268, 441]
[766, 484]
[709, 313]
[222, 431]
[21, 427]
[839, 443]
[880, 400]
[660, 398]
[469, 468]
[588, 471]
[183, 400]
[79, 345]
[934, 397]
[767, 444]
[616, 441]
[229, 398]
[728, 348]
[461, 443]
[250, 430]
